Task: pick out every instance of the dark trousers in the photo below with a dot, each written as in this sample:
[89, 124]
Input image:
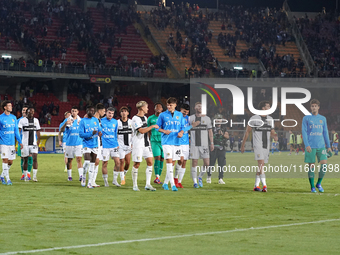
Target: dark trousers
[218, 155]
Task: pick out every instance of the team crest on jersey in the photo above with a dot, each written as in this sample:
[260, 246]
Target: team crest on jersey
[177, 117]
[168, 154]
[13, 120]
[203, 122]
[113, 125]
[95, 123]
[321, 121]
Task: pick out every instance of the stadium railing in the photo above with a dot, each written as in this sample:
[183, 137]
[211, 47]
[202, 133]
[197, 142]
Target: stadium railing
[114, 71]
[300, 41]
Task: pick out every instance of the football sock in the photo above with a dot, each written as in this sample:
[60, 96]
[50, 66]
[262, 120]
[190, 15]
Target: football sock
[160, 169]
[311, 177]
[272, 150]
[35, 171]
[86, 167]
[148, 174]
[194, 174]
[125, 171]
[181, 173]
[105, 176]
[122, 176]
[95, 173]
[22, 165]
[170, 173]
[203, 172]
[134, 176]
[91, 173]
[166, 180]
[323, 170]
[25, 173]
[80, 171]
[69, 172]
[156, 167]
[263, 179]
[5, 170]
[257, 180]
[177, 169]
[30, 164]
[115, 176]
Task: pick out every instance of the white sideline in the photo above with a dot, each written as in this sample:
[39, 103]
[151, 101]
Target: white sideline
[166, 237]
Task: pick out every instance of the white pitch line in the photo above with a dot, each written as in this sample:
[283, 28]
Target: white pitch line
[166, 237]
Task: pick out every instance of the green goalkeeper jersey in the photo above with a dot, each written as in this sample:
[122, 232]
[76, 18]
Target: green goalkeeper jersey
[155, 135]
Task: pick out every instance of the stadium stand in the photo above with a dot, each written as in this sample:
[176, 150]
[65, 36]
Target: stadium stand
[321, 36]
[62, 37]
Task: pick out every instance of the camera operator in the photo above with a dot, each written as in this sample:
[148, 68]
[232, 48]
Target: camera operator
[220, 147]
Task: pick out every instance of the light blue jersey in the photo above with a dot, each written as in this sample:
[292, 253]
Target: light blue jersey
[9, 130]
[110, 133]
[315, 131]
[65, 135]
[72, 133]
[185, 138]
[175, 123]
[86, 128]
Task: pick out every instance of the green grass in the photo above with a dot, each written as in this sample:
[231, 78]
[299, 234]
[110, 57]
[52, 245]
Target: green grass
[56, 213]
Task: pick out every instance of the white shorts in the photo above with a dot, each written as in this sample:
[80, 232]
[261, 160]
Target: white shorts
[100, 153]
[110, 153]
[30, 149]
[8, 151]
[74, 151]
[123, 151]
[64, 147]
[185, 150]
[139, 153]
[172, 152]
[89, 150]
[199, 152]
[261, 154]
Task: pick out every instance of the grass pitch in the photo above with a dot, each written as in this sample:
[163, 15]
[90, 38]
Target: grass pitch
[56, 213]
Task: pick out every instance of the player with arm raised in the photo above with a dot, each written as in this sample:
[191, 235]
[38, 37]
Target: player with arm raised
[8, 133]
[110, 145]
[62, 141]
[141, 145]
[156, 143]
[262, 127]
[202, 139]
[125, 142]
[89, 130]
[30, 127]
[74, 144]
[315, 137]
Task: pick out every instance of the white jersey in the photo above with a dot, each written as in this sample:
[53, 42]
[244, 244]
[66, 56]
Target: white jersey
[261, 129]
[124, 133]
[29, 129]
[139, 140]
[199, 134]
